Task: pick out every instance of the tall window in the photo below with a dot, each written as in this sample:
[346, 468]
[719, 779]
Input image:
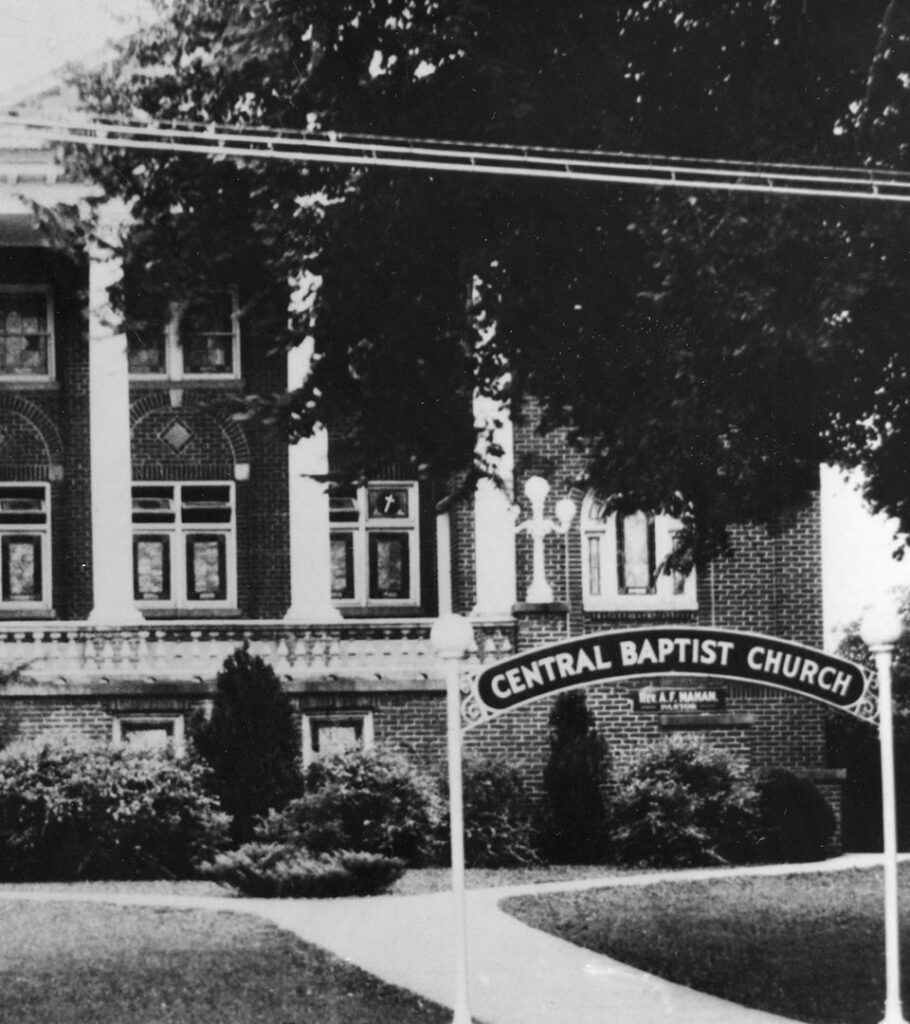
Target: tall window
[24, 546]
[374, 545]
[26, 332]
[622, 559]
[184, 545]
[198, 339]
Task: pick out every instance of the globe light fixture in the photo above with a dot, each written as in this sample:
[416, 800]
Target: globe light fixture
[451, 636]
[881, 627]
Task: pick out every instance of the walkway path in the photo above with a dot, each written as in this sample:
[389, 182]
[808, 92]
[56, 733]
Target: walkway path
[517, 975]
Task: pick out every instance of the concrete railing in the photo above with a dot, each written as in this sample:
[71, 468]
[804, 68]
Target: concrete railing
[371, 650]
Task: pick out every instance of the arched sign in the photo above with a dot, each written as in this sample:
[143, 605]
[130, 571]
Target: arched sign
[666, 651]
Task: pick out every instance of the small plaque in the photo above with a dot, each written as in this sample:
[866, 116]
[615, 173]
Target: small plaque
[680, 699]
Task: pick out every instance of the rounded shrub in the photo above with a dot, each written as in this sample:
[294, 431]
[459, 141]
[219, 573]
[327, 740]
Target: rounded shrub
[796, 822]
[282, 870]
[680, 804]
[72, 811]
[499, 828]
[373, 801]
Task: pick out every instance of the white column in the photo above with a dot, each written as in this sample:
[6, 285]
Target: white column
[109, 437]
[310, 554]
[494, 528]
[444, 563]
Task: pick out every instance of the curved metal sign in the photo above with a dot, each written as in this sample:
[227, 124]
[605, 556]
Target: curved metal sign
[660, 651]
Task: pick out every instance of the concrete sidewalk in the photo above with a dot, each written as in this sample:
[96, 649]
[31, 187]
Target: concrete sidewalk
[517, 975]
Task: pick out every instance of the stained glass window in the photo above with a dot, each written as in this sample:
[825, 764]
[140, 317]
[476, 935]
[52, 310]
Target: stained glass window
[389, 570]
[636, 557]
[623, 559]
[25, 339]
[188, 560]
[371, 563]
[24, 544]
[198, 338]
[206, 330]
[151, 568]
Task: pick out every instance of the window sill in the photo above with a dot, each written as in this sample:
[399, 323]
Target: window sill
[540, 608]
[27, 614]
[29, 384]
[159, 383]
[641, 604]
[161, 614]
[374, 612]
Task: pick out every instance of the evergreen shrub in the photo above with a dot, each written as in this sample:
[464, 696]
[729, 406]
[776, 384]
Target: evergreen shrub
[283, 870]
[372, 801]
[681, 804]
[249, 742]
[70, 811]
[796, 821]
[575, 818]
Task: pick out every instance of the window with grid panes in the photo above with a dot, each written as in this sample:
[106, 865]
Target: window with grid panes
[25, 579]
[198, 339]
[184, 545]
[26, 333]
[374, 545]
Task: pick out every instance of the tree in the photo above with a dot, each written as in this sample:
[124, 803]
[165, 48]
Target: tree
[249, 742]
[854, 744]
[706, 350]
[575, 809]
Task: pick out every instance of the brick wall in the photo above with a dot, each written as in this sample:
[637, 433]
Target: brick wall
[45, 424]
[269, 581]
[771, 585]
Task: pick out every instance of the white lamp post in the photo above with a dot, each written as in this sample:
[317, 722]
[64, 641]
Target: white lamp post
[538, 526]
[451, 638]
[881, 629]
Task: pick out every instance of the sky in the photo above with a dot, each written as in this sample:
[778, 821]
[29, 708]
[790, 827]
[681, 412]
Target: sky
[38, 36]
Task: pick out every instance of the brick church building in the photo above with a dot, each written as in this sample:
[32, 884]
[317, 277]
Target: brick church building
[145, 533]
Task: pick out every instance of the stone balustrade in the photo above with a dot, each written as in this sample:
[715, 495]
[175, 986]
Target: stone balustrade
[369, 652]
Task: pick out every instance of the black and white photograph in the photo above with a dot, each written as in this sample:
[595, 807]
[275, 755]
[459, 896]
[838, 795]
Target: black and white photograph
[454, 511]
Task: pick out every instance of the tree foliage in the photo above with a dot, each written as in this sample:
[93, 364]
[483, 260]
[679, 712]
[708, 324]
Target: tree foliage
[854, 744]
[249, 742]
[706, 349]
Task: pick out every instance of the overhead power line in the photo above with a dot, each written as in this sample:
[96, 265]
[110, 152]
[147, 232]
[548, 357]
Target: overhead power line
[223, 141]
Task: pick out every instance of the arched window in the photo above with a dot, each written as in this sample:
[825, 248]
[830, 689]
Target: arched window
[622, 556]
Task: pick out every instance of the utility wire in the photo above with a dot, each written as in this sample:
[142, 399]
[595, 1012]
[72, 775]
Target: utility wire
[223, 141]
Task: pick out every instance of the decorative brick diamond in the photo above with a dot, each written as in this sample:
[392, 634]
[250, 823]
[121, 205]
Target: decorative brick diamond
[176, 435]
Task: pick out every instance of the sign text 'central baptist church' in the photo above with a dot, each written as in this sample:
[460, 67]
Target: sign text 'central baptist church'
[670, 650]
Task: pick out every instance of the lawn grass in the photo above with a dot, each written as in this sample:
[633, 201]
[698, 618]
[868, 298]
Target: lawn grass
[68, 963]
[809, 947]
